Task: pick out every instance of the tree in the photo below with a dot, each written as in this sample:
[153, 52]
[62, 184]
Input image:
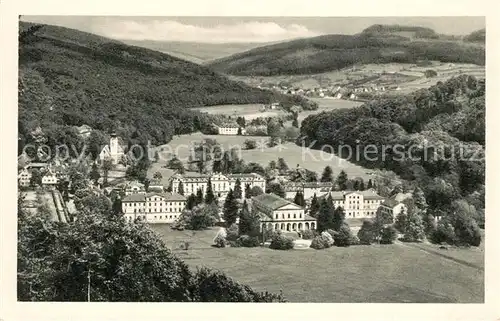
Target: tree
[157, 156]
[255, 191]
[176, 165]
[249, 222]
[344, 236]
[230, 211]
[327, 175]
[280, 242]
[117, 206]
[388, 235]
[400, 221]
[278, 189]
[338, 218]
[368, 233]
[36, 178]
[299, 199]
[362, 185]
[325, 216]
[200, 217]
[295, 123]
[282, 166]
[191, 202]
[237, 189]
[419, 198]
[94, 174]
[315, 205]
[107, 165]
[241, 121]
[370, 184]
[247, 191]
[157, 176]
[180, 188]
[199, 197]
[250, 144]
[239, 131]
[414, 229]
[355, 185]
[209, 196]
[342, 180]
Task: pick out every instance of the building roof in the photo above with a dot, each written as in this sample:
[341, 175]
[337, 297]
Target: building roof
[142, 197]
[389, 202]
[272, 201]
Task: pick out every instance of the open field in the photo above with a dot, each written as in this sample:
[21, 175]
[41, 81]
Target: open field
[293, 154]
[376, 273]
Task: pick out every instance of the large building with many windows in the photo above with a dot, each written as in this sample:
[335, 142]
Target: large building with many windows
[357, 204]
[153, 207]
[221, 183]
[307, 188]
[277, 213]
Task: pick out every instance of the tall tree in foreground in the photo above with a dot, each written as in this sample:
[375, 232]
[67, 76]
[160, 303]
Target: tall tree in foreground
[282, 166]
[247, 191]
[325, 216]
[107, 165]
[315, 205]
[249, 222]
[327, 175]
[199, 197]
[209, 196]
[230, 209]
[342, 180]
[180, 188]
[237, 189]
[299, 199]
[370, 184]
[338, 218]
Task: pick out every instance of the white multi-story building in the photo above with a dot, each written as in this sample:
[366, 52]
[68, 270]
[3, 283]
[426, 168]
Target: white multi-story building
[308, 189]
[230, 130]
[393, 207]
[221, 183]
[357, 204]
[153, 207]
[24, 177]
[113, 151]
[277, 213]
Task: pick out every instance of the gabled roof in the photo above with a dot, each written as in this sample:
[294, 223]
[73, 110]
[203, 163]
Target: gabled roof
[134, 198]
[273, 201]
[389, 202]
[142, 197]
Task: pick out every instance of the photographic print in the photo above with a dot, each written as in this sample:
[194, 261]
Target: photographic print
[251, 159]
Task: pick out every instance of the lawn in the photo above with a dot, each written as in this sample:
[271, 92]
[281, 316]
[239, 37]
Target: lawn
[376, 273]
[249, 111]
[293, 154]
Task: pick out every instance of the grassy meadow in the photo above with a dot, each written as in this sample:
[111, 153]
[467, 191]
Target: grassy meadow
[377, 273]
[293, 154]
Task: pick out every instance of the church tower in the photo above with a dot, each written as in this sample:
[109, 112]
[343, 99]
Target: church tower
[113, 147]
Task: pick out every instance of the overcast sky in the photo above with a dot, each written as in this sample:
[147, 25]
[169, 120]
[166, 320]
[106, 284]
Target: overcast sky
[245, 29]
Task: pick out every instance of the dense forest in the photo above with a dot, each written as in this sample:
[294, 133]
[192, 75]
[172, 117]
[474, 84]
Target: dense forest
[433, 138]
[376, 44]
[70, 78]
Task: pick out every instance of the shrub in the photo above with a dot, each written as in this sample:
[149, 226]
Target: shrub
[250, 144]
[220, 241]
[344, 236]
[444, 233]
[320, 242]
[388, 235]
[332, 232]
[308, 234]
[232, 233]
[328, 237]
[248, 241]
[281, 242]
[367, 234]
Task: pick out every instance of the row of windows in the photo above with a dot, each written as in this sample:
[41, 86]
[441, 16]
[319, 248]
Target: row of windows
[161, 217]
[283, 215]
[134, 204]
[353, 214]
[170, 209]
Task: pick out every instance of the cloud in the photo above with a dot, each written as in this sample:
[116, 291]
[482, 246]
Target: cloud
[169, 30]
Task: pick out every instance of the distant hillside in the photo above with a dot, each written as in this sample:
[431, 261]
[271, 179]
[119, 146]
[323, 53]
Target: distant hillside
[195, 52]
[70, 78]
[376, 44]
[476, 36]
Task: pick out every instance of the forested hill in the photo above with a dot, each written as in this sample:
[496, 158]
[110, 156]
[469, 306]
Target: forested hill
[434, 137]
[68, 77]
[376, 44]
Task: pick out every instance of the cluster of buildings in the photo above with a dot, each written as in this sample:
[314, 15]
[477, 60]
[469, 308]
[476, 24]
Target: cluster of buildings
[230, 128]
[50, 175]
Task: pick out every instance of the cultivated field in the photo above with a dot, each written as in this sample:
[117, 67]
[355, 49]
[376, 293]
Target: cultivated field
[293, 154]
[376, 273]
[249, 111]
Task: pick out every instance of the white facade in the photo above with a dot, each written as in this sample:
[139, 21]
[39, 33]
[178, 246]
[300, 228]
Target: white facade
[24, 177]
[112, 151]
[393, 208]
[308, 189]
[358, 204]
[49, 179]
[154, 207]
[134, 188]
[280, 214]
[230, 130]
[221, 184]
